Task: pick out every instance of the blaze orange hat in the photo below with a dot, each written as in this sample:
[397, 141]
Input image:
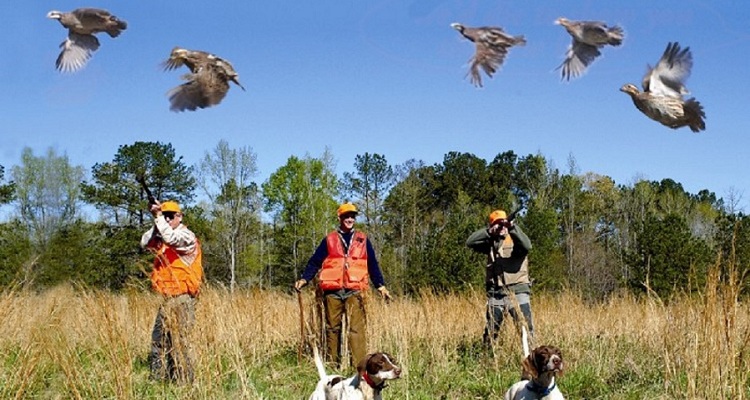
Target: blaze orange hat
[497, 215]
[170, 206]
[346, 208]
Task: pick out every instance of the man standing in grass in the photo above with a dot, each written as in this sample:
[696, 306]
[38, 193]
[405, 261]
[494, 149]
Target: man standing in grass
[177, 276]
[346, 261]
[507, 274]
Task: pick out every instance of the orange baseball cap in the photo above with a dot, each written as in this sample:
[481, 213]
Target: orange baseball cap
[170, 206]
[346, 208]
[497, 215]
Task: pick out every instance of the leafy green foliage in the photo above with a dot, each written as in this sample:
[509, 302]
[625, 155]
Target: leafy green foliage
[16, 255]
[47, 191]
[668, 258]
[301, 197]
[6, 190]
[587, 232]
[117, 194]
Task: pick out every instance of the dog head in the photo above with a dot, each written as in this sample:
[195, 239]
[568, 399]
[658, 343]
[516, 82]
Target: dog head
[379, 367]
[544, 359]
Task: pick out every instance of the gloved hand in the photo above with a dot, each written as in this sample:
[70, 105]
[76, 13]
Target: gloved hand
[384, 293]
[299, 284]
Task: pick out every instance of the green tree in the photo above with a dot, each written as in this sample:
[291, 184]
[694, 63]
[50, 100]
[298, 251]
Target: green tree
[117, 194]
[226, 175]
[405, 209]
[47, 193]
[368, 185]
[301, 197]
[463, 172]
[668, 257]
[502, 170]
[75, 252]
[441, 261]
[6, 190]
[17, 260]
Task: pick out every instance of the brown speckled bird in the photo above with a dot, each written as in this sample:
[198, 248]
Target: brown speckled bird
[588, 38]
[663, 90]
[207, 83]
[82, 24]
[492, 45]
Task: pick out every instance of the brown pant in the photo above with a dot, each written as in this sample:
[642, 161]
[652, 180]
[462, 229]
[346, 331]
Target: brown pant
[354, 306]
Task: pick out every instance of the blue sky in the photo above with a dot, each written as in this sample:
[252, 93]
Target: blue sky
[388, 77]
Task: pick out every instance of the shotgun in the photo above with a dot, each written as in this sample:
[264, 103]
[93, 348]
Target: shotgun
[151, 198]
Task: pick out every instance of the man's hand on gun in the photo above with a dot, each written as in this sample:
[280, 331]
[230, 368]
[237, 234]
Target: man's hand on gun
[501, 227]
[155, 208]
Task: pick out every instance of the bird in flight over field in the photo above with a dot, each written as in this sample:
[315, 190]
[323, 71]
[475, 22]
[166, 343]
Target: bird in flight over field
[492, 45]
[207, 83]
[82, 24]
[588, 38]
[663, 90]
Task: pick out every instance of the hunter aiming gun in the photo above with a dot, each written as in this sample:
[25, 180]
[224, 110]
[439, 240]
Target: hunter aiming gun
[151, 198]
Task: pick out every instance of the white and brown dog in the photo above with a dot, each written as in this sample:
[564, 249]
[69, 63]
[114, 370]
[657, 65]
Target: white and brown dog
[542, 365]
[372, 373]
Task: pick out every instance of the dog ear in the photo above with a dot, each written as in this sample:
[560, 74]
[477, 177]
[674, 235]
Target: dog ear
[362, 366]
[528, 367]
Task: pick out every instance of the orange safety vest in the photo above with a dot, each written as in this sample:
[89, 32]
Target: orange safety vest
[342, 268]
[172, 277]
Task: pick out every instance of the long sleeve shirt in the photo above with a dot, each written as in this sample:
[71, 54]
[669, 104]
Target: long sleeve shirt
[182, 239]
[316, 261]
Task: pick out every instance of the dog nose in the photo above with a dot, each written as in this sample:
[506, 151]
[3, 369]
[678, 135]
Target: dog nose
[397, 372]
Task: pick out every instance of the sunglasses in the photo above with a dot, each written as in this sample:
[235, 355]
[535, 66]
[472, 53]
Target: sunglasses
[169, 215]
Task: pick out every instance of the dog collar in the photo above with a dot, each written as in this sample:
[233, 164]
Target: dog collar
[371, 383]
[540, 390]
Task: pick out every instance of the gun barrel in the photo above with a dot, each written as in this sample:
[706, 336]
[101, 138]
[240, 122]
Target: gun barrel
[151, 198]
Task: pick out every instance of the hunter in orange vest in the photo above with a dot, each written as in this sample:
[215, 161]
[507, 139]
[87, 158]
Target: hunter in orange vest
[346, 261]
[177, 275]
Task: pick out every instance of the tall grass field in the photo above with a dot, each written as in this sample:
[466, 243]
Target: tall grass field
[68, 343]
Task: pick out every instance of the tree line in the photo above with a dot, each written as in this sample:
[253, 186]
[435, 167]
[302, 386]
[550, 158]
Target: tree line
[589, 234]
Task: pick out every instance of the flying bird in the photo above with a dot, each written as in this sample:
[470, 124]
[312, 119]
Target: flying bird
[492, 45]
[207, 83]
[588, 38]
[82, 24]
[664, 88]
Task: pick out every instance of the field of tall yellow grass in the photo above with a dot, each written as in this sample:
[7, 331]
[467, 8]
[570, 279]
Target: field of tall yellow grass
[68, 343]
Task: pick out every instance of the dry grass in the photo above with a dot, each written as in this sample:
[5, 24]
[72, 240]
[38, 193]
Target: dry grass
[66, 343]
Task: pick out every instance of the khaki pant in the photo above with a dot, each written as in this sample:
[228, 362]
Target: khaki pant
[354, 306]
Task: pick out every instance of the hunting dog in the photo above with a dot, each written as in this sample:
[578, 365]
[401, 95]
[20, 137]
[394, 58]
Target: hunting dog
[542, 365]
[372, 373]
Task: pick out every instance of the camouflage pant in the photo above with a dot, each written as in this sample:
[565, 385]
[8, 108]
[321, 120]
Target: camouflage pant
[498, 306]
[170, 357]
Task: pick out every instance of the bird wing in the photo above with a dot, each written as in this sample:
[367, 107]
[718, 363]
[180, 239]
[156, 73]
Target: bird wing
[203, 89]
[577, 59]
[91, 20]
[76, 52]
[486, 58]
[594, 31]
[668, 76]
